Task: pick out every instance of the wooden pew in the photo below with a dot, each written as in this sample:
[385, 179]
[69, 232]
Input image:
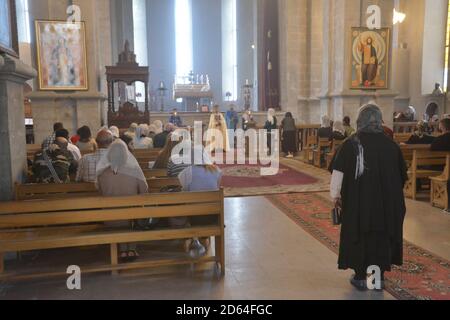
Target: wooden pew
[334, 147]
[402, 137]
[32, 149]
[423, 158]
[34, 191]
[311, 139]
[53, 224]
[319, 151]
[78, 190]
[408, 151]
[155, 173]
[439, 187]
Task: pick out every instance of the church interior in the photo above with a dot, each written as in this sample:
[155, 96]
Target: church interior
[95, 96]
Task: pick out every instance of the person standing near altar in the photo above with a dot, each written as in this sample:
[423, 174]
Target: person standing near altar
[217, 136]
[175, 119]
[232, 118]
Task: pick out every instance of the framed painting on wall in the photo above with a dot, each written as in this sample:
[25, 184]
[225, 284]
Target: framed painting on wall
[61, 54]
[370, 52]
[8, 28]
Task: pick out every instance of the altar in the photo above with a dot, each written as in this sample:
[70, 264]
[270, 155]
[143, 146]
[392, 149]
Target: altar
[193, 95]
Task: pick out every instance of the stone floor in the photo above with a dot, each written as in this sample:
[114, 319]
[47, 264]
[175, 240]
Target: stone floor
[268, 257]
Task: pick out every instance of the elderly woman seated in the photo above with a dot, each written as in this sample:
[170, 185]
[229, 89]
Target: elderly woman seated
[141, 139]
[200, 175]
[420, 135]
[119, 174]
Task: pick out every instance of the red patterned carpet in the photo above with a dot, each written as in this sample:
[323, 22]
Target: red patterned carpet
[424, 276]
[246, 180]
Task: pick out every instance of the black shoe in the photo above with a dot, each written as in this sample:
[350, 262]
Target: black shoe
[361, 285]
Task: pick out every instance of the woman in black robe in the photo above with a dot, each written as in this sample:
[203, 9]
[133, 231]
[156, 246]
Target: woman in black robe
[369, 173]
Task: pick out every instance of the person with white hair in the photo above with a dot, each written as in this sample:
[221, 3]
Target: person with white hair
[326, 131]
[141, 139]
[271, 125]
[119, 174]
[159, 126]
[115, 132]
[131, 132]
[160, 139]
[369, 173]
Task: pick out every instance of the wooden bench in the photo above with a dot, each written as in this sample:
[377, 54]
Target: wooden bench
[32, 149]
[334, 147]
[319, 151]
[402, 137]
[80, 222]
[78, 190]
[439, 187]
[155, 173]
[310, 141]
[408, 151]
[423, 158]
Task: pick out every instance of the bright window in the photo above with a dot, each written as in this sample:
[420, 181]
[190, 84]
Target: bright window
[447, 51]
[183, 37]
[229, 45]
[140, 45]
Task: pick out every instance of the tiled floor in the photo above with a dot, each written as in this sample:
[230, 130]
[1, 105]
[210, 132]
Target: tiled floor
[268, 257]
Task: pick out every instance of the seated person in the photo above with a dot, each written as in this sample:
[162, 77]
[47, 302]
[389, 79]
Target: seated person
[141, 139]
[86, 144]
[53, 165]
[51, 138]
[162, 161]
[119, 174]
[88, 164]
[338, 131]
[76, 154]
[131, 132]
[349, 130]
[326, 131]
[201, 176]
[128, 141]
[175, 119]
[420, 136]
[160, 139]
[442, 143]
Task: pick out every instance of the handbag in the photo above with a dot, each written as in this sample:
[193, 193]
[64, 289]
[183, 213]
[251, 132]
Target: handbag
[336, 216]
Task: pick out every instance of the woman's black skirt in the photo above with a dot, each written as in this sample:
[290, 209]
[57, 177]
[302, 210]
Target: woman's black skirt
[289, 141]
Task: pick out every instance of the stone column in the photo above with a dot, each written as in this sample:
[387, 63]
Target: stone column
[13, 155]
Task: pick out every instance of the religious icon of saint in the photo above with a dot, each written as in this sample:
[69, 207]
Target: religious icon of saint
[369, 62]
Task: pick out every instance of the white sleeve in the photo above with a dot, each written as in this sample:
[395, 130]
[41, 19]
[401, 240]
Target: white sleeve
[336, 184]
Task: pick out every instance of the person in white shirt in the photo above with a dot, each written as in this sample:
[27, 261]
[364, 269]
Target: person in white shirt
[74, 150]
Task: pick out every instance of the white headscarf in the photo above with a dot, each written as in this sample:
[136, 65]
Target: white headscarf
[326, 122]
[271, 115]
[115, 131]
[159, 126]
[121, 161]
[151, 128]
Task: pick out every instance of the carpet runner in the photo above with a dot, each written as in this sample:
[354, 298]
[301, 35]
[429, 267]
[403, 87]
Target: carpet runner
[423, 276]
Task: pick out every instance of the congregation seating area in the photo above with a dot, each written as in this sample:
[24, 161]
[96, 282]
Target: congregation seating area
[66, 220]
